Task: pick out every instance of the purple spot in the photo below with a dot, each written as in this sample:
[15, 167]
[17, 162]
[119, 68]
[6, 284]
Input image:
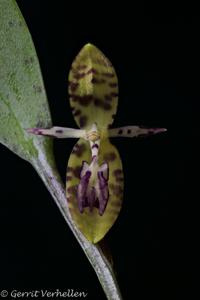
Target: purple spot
[111, 156]
[83, 121]
[116, 189]
[108, 98]
[74, 97]
[79, 149]
[81, 67]
[69, 169]
[109, 75]
[72, 189]
[95, 146]
[120, 131]
[92, 71]
[77, 171]
[94, 80]
[118, 173]
[107, 106]
[77, 112]
[83, 100]
[113, 84]
[114, 94]
[59, 131]
[79, 75]
[97, 102]
[73, 86]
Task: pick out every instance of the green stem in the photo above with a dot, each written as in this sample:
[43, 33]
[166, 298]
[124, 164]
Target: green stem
[101, 265]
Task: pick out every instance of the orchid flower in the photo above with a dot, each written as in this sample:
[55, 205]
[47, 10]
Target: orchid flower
[94, 180]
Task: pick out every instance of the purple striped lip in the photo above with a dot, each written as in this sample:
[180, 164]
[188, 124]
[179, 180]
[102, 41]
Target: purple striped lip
[93, 188]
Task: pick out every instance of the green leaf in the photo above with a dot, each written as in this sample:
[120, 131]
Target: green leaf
[23, 102]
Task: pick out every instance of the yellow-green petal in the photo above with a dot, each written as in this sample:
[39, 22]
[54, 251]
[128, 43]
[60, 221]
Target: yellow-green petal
[93, 88]
[91, 224]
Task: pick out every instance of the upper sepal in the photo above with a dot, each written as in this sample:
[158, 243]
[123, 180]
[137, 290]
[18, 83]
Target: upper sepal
[93, 88]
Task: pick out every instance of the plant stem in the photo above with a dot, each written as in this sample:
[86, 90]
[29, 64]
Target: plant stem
[48, 173]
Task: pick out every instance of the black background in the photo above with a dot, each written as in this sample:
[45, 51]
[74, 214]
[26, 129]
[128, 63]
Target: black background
[155, 51]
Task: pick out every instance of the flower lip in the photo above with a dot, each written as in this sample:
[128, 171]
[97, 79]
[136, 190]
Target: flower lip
[93, 187]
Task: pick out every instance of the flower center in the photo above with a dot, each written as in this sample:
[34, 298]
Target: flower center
[93, 135]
